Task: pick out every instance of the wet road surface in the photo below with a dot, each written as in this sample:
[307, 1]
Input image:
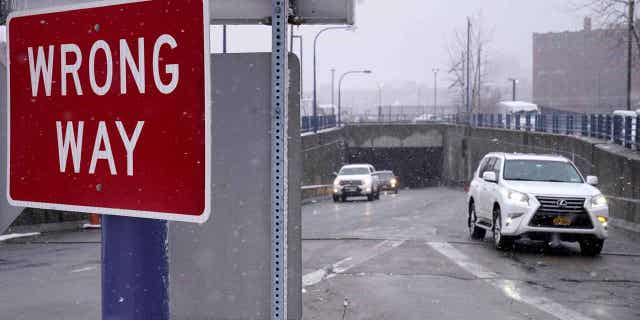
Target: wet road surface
[406, 256]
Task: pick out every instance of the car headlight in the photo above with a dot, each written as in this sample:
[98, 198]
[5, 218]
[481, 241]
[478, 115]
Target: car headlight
[394, 182]
[367, 182]
[336, 182]
[598, 201]
[518, 197]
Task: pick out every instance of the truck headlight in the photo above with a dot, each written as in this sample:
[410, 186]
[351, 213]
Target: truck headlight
[518, 197]
[394, 182]
[598, 201]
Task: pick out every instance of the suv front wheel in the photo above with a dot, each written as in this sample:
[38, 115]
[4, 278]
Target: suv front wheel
[591, 246]
[501, 242]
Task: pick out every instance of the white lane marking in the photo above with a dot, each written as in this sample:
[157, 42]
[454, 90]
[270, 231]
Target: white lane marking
[312, 278]
[83, 269]
[462, 260]
[345, 264]
[18, 235]
[508, 287]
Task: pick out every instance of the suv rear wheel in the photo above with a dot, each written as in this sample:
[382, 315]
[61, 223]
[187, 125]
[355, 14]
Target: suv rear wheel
[501, 242]
[475, 232]
[591, 246]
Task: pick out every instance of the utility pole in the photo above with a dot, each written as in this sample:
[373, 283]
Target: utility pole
[468, 66]
[632, 4]
[333, 86]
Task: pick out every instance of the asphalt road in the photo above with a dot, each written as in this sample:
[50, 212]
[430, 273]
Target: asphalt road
[406, 256]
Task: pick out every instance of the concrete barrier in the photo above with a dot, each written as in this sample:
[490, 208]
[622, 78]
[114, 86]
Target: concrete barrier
[316, 192]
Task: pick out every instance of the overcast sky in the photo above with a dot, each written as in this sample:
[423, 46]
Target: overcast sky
[403, 40]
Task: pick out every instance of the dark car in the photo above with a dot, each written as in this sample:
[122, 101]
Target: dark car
[388, 181]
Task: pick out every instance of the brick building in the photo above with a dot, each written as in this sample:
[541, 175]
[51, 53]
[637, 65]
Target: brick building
[582, 71]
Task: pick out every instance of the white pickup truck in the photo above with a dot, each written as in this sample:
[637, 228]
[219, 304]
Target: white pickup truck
[356, 180]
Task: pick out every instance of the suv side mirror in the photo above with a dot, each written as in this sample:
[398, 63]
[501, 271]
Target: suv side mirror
[593, 180]
[490, 176]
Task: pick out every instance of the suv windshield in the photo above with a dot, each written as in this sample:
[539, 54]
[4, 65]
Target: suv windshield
[353, 171]
[538, 170]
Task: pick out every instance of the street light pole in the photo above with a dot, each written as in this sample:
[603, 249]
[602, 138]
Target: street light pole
[315, 74]
[333, 86]
[435, 91]
[514, 81]
[379, 102]
[299, 37]
[340, 90]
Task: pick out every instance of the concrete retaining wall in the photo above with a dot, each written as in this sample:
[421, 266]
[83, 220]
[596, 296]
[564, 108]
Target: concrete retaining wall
[323, 154]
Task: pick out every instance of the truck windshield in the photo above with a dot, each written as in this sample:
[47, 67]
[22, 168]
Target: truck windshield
[538, 170]
[353, 171]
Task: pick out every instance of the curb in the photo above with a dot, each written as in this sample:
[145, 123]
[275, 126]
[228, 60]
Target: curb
[48, 227]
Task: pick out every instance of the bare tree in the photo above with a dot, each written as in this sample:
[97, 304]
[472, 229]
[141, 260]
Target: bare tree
[478, 63]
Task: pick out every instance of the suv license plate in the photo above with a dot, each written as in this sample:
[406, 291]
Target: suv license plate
[562, 221]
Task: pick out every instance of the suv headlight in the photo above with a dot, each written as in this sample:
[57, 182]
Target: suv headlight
[518, 197]
[598, 201]
[336, 182]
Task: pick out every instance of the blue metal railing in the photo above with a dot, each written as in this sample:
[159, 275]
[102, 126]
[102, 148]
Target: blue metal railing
[324, 122]
[618, 129]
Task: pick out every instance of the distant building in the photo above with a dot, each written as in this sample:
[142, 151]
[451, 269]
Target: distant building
[582, 71]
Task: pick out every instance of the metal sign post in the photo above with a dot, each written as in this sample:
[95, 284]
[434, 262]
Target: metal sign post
[279, 88]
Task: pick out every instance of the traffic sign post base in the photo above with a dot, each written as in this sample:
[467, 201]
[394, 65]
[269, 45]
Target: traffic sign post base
[134, 269]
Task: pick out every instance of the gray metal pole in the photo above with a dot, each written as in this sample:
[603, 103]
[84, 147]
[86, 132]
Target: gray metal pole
[278, 194]
[333, 86]
[379, 103]
[224, 38]
[468, 66]
[629, 51]
[299, 37]
[435, 91]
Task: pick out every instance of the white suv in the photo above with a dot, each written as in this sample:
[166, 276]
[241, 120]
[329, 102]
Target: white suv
[356, 180]
[537, 197]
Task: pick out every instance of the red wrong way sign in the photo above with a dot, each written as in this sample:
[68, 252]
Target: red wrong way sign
[109, 109]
